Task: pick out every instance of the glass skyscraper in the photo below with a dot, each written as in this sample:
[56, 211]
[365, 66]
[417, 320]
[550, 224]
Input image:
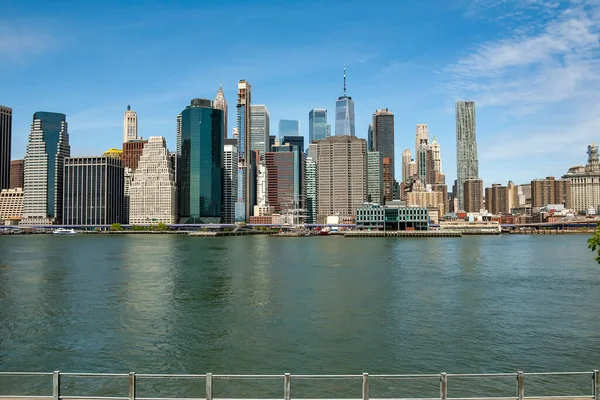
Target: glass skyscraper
[5, 138]
[467, 165]
[201, 163]
[288, 127]
[344, 114]
[317, 125]
[259, 128]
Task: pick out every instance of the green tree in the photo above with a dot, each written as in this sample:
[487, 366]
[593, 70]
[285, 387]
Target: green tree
[161, 226]
[594, 244]
[116, 227]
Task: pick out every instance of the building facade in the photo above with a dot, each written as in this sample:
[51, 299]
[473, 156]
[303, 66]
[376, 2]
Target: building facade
[130, 125]
[383, 138]
[297, 141]
[584, 184]
[499, 200]
[473, 194]
[344, 114]
[11, 205]
[230, 182]
[406, 159]
[374, 177]
[201, 163]
[285, 179]
[387, 179]
[153, 194]
[260, 129]
[377, 217]
[421, 147]
[261, 186]
[427, 199]
[47, 149]
[5, 143]
[17, 174]
[434, 164]
[132, 151]
[318, 129]
[220, 103]
[246, 180]
[93, 191]
[312, 193]
[288, 127]
[467, 164]
[551, 191]
[341, 175]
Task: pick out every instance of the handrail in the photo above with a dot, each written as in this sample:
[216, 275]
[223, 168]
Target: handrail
[287, 384]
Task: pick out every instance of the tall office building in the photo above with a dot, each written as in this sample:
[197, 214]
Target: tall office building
[230, 182]
[317, 125]
[5, 139]
[370, 139]
[374, 177]
[247, 162]
[221, 104]
[406, 159]
[201, 163]
[288, 127]
[259, 128]
[421, 146]
[383, 142]
[341, 175]
[132, 151]
[311, 190]
[271, 141]
[297, 141]
[44, 166]
[388, 180]
[344, 114]
[93, 191]
[285, 179]
[178, 135]
[434, 174]
[473, 195]
[17, 174]
[153, 192]
[467, 165]
[130, 125]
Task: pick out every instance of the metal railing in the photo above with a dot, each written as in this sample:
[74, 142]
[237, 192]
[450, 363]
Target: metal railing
[206, 391]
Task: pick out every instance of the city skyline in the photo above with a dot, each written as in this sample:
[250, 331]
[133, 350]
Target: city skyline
[484, 62]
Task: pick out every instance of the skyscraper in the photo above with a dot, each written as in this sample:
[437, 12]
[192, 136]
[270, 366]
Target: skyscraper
[383, 142]
[344, 114]
[259, 128]
[153, 192]
[221, 104]
[5, 138]
[374, 177]
[434, 164]
[93, 191]
[246, 181]
[17, 173]
[132, 151]
[473, 195]
[178, 136]
[467, 165]
[285, 178]
[341, 175]
[130, 125]
[421, 146]
[297, 141]
[230, 182]
[288, 127]
[201, 163]
[387, 179]
[370, 138]
[406, 158]
[310, 177]
[44, 166]
[317, 124]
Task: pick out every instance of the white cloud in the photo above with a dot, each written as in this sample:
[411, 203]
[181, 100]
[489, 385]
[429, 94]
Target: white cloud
[18, 43]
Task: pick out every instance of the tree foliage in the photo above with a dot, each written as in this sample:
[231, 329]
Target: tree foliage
[594, 244]
[116, 227]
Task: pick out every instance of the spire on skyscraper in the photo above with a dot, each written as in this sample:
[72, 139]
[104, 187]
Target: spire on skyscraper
[344, 80]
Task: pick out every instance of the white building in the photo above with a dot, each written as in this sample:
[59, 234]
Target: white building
[261, 185]
[230, 183]
[11, 205]
[130, 125]
[153, 194]
[585, 183]
[221, 104]
[374, 177]
[44, 164]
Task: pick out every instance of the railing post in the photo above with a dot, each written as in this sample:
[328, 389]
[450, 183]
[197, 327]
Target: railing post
[520, 385]
[56, 385]
[596, 384]
[131, 386]
[443, 386]
[365, 392]
[287, 386]
[209, 386]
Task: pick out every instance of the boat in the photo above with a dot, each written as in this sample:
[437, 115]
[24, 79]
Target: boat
[64, 232]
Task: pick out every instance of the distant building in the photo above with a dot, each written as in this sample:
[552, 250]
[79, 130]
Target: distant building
[93, 191]
[288, 127]
[221, 104]
[584, 184]
[421, 147]
[260, 129]
[383, 139]
[500, 199]
[261, 186]
[271, 141]
[115, 153]
[387, 179]
[132, 151]
[5, 143]
[294, 141]
[467, 164]
[17, 174]
[344, 114]
[11, 205]
[153, 192]
[341, 175]
[230, 182]
[434, 164]
[201, 163]
[285, 180]
[47, 149]
[551, 191]
[473, 194]
[374, 177]
[311, 190]
[317, 125]
[378, 217]
[130, 125]
[427, 199]
[247, 160]
[406, 159]
[178, 135]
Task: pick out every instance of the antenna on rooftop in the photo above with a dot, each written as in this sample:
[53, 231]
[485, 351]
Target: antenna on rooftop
[344, 80]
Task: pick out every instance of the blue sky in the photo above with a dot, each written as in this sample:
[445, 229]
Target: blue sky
[531, 66]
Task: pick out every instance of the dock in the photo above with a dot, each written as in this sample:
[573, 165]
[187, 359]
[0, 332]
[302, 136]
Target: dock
[413, 234]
